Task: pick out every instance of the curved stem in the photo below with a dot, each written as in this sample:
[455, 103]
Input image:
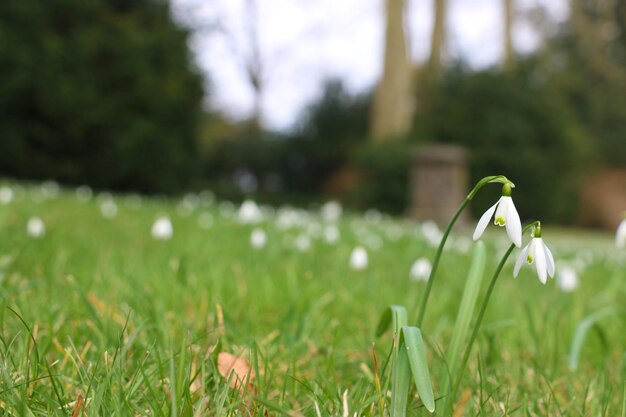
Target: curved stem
[431, 279]
[433, 271]
[479, 319]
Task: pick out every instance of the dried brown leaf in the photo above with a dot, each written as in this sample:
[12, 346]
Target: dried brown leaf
[229, 364]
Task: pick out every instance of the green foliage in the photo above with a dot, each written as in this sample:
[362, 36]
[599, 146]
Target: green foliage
[98, 91]
[384, 176]
[134, 324]
[515, 128]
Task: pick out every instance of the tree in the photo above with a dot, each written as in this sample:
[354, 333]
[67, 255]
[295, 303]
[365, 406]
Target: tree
[509, 52]
[393, 106]
[100, 92]
[438, 38]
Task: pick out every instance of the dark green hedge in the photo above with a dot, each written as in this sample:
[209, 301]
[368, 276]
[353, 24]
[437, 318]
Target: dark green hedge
[99, 92]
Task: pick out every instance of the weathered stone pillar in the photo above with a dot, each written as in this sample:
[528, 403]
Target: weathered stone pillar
[438, 183]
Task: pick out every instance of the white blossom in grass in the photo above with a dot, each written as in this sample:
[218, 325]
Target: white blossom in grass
[108, 208]
[358, 259]
[620, 235]
[249, 213]
[258, 238]
[36, 227]
[431, 233]
[302, 243]
[567, 279]
[331, 234]
[162, 229]
[505, 215]
[420, 271]
[6, 195]
[538, 253]
[83, 193]
[331, 211]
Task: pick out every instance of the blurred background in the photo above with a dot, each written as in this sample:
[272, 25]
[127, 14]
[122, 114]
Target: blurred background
[293, 101]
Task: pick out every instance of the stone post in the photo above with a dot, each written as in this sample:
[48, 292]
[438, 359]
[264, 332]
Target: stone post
[438, 183]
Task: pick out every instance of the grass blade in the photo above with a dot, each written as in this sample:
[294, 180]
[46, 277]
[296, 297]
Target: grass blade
[580, 335]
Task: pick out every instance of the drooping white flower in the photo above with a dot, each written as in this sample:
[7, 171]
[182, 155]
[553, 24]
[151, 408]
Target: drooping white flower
[505, 215]
[620, 235]
[6, 195]
[258, 238]
[331, 234]
[420, 271]
[83, 193]
[35, 227]
[358, 259]
[567, 279]
[538, 253]
[249, 213]
[431, 233]
[302, 243]
[331, 211]
[162, 229]
[108, 208]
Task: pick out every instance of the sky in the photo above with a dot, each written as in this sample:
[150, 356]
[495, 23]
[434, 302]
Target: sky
[302, 43]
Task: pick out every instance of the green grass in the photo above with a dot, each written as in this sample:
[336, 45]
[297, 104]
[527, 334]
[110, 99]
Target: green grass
[98, 310]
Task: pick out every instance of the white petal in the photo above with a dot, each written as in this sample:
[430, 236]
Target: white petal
[503, 207]
[484, 221]
[520, 260]
[550, 260]
[513, 224]
[540, 261]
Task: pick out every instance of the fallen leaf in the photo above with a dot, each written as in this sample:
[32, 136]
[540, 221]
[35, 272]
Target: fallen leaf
[229, 364]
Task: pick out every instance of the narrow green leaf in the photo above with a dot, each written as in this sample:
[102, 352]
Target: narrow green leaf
[411, 341]
[581, 333]
[464, 318]
[400, 384]
[401, 375]
[393, 314]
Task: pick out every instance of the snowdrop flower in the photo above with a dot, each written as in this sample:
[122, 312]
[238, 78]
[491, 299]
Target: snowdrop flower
[331, 211]
[35, 227]
[302, 243]
[258, 238]
[567, 280]
[620, 235]
[505, 215]
[358, 259]
[83, 193]
[162, 229]
[431, 233]
[420, 271]
[538, 253]
[108, 208]
[249, 213]
[6, 195]
[331, 234]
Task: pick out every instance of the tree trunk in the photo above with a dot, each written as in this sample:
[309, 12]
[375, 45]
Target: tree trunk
[438, 39]
[392, 109]
[508, 61]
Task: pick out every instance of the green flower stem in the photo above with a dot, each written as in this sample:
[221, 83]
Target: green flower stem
[431, 279]
[479, 319]
[433, 271]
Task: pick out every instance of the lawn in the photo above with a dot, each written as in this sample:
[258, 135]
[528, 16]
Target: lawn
[98, 318]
